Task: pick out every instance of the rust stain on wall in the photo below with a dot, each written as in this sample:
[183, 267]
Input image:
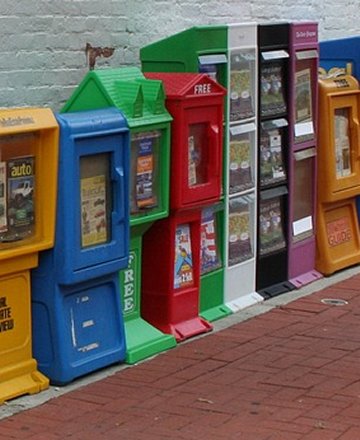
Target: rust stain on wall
[92, 53]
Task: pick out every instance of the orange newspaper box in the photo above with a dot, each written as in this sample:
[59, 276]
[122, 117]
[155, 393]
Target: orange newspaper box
[338, 239]
[28, 181]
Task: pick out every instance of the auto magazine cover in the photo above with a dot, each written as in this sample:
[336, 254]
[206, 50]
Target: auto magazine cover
[20, 203]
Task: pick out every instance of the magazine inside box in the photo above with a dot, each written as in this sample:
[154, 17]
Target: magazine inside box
[18, 184]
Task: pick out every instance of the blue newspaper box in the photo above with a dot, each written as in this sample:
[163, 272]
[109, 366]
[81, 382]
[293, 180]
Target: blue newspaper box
[76, 308]
[341, 55]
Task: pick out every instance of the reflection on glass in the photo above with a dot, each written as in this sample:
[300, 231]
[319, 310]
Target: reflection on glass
[240, 221]
[212, 70]
[95, 199]
[271, 233]
[303, 198]
[272, 168]
[210, 258]
[272, 89]
[144, 170]
[242, 87]
[198, 154]
[17, 187]
[342, 143]
[304, 129]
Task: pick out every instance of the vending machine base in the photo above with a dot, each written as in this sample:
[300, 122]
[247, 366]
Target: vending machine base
[142, 339]
[243, 302]
[79, 328]
[239, 287]
[182, 321]
[276, 289]
[18, 369]
[212, 305]
[306, 278]
[271, 278]
[187, 329]
[299, 274]
[24, 379]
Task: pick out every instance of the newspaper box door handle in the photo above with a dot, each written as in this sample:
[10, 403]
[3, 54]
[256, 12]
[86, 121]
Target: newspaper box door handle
[355, 130]
[119, 178]
[214, 142]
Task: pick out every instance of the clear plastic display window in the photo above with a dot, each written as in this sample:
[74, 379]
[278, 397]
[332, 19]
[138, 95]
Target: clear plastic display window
[144, 173]
[303, 199]
[240, 230]
[242, 84]
[210, 256]
[198, 154]
[17, 188]
[95, 199]
[183, 268]
[271, 156]
[342, 143]
[272, 89]
[271, 226]
[304, 100]
[241, 161]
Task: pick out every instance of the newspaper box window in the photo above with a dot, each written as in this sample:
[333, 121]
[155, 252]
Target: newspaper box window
[95, 200]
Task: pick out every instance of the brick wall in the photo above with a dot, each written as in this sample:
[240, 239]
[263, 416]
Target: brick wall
[42, 50]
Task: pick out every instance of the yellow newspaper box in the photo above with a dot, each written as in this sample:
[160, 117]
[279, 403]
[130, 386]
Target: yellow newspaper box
[28, 183]
[338, 240]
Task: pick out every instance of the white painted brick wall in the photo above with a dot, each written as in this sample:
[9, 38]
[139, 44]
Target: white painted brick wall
[42, 42]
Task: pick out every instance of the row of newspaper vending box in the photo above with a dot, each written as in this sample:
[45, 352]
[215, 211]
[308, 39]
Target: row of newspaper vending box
[113, 252]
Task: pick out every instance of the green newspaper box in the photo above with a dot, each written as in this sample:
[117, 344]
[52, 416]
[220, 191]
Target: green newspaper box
[142, 101]
[227, 53]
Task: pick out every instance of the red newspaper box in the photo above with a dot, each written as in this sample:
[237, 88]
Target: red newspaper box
[171, 275]
[196, 103]
[171, 247]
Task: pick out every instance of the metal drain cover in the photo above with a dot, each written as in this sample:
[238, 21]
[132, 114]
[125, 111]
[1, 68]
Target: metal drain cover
[334, 301]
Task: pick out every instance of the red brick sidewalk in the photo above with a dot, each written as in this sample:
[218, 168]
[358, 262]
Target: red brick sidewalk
[292, 373]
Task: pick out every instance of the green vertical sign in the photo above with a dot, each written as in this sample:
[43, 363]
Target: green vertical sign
[129, 285]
